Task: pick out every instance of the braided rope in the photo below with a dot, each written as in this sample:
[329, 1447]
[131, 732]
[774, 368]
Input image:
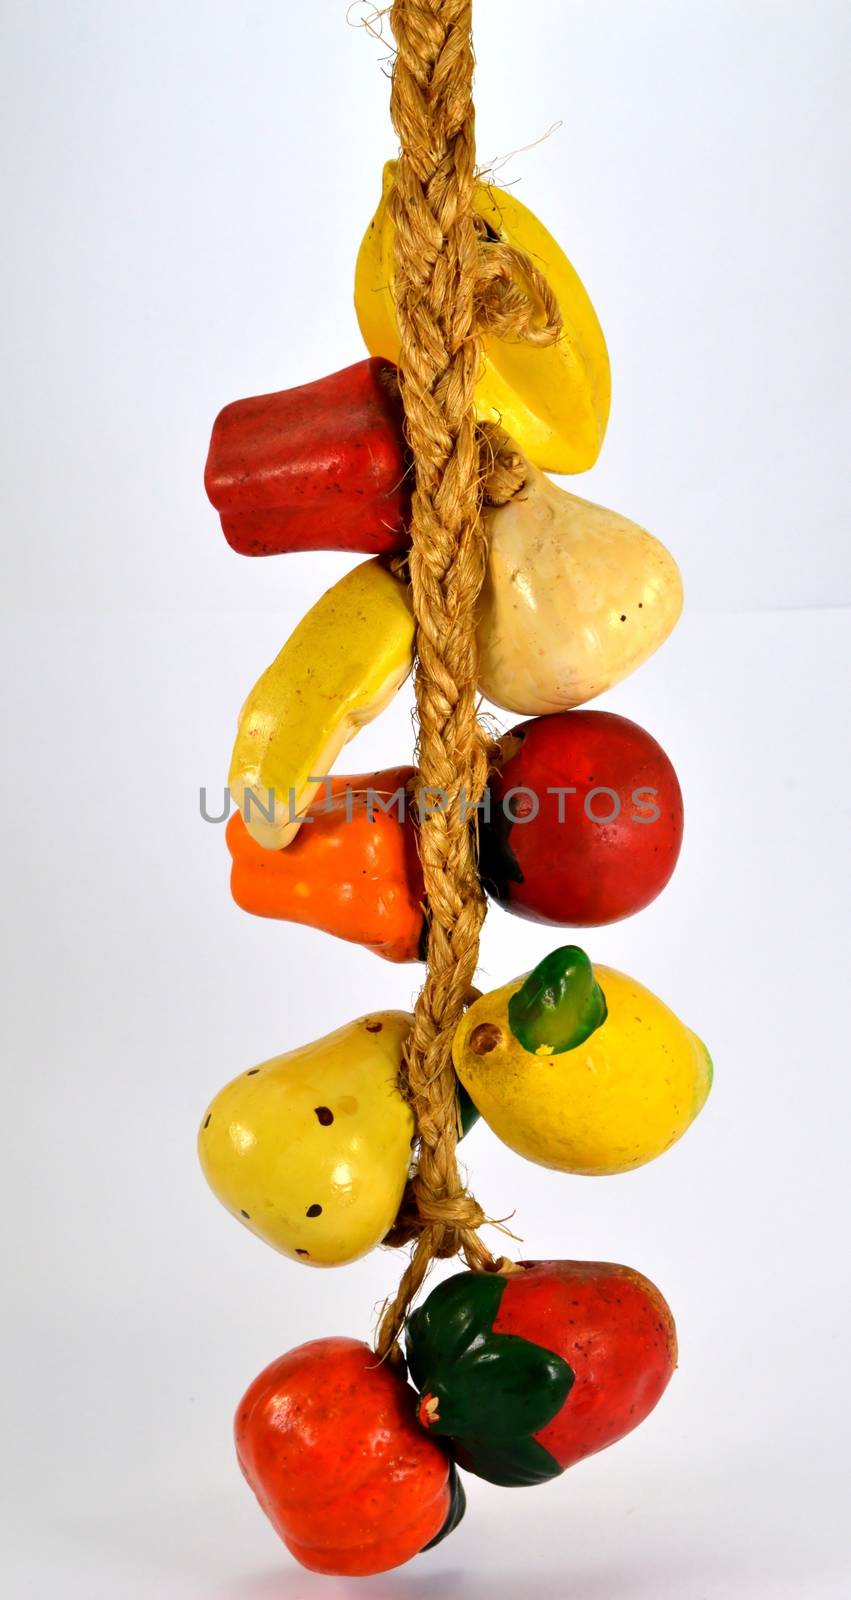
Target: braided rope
[451, 281]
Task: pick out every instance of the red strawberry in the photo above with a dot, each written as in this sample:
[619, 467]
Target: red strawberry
[527, 1373]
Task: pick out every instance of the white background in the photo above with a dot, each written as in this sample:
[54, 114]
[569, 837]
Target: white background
[185, 187]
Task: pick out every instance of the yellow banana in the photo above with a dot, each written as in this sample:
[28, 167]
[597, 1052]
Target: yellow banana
[336, 672]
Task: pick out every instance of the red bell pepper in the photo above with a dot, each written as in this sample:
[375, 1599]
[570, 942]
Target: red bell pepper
[320, 467]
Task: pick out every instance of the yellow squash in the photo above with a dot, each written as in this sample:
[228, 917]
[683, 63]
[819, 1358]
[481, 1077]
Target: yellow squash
[311, 1150]
[575, 598]
[554, 401]
[336, 672]
[581, 1068]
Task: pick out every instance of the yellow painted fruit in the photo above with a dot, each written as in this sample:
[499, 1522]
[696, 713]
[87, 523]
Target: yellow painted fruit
[555, 400]
[311, 1150]
[575, 597]
[336, 672]
[607, 1078]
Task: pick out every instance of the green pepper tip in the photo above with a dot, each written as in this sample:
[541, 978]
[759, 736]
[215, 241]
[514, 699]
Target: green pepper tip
[559, 1005]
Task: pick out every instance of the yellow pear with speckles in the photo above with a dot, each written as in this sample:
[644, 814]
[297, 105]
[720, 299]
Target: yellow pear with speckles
[311, 1150]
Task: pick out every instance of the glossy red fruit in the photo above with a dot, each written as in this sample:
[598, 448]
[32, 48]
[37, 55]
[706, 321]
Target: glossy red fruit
[328, 1440]
[593, 856]
[525, 1374]
[321, 467]
[615, 1331]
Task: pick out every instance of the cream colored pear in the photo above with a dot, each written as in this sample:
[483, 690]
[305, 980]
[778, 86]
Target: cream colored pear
[575, 598]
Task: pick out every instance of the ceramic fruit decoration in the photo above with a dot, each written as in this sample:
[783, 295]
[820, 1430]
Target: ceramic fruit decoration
[327, 1438]
[326, 467]
[555, 843]
[333, 1148]
[575, 597]
[575, 1067]
[586, 820]
[320, 467]
[524, 1375]
[581, 1068]
[341, 667]
[353, 869]
[311, 1149]
[554, 401]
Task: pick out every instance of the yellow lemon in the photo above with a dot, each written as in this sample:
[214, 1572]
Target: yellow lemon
[311, 1149]
[581, 1068]
[554, 401]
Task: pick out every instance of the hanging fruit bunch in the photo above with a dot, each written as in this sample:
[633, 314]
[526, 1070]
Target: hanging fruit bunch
[487, 368]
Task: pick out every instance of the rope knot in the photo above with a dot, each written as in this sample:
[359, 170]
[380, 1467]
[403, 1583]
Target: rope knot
[512, 297]
[455, 1213]
[446, 1216]
[503, 468]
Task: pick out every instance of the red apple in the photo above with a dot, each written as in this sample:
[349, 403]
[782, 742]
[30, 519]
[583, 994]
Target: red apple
[586, 820]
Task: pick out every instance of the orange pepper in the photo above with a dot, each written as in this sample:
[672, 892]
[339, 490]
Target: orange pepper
[352, 870]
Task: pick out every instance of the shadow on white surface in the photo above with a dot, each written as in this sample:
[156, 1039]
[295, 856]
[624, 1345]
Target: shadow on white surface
[521, 1583]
